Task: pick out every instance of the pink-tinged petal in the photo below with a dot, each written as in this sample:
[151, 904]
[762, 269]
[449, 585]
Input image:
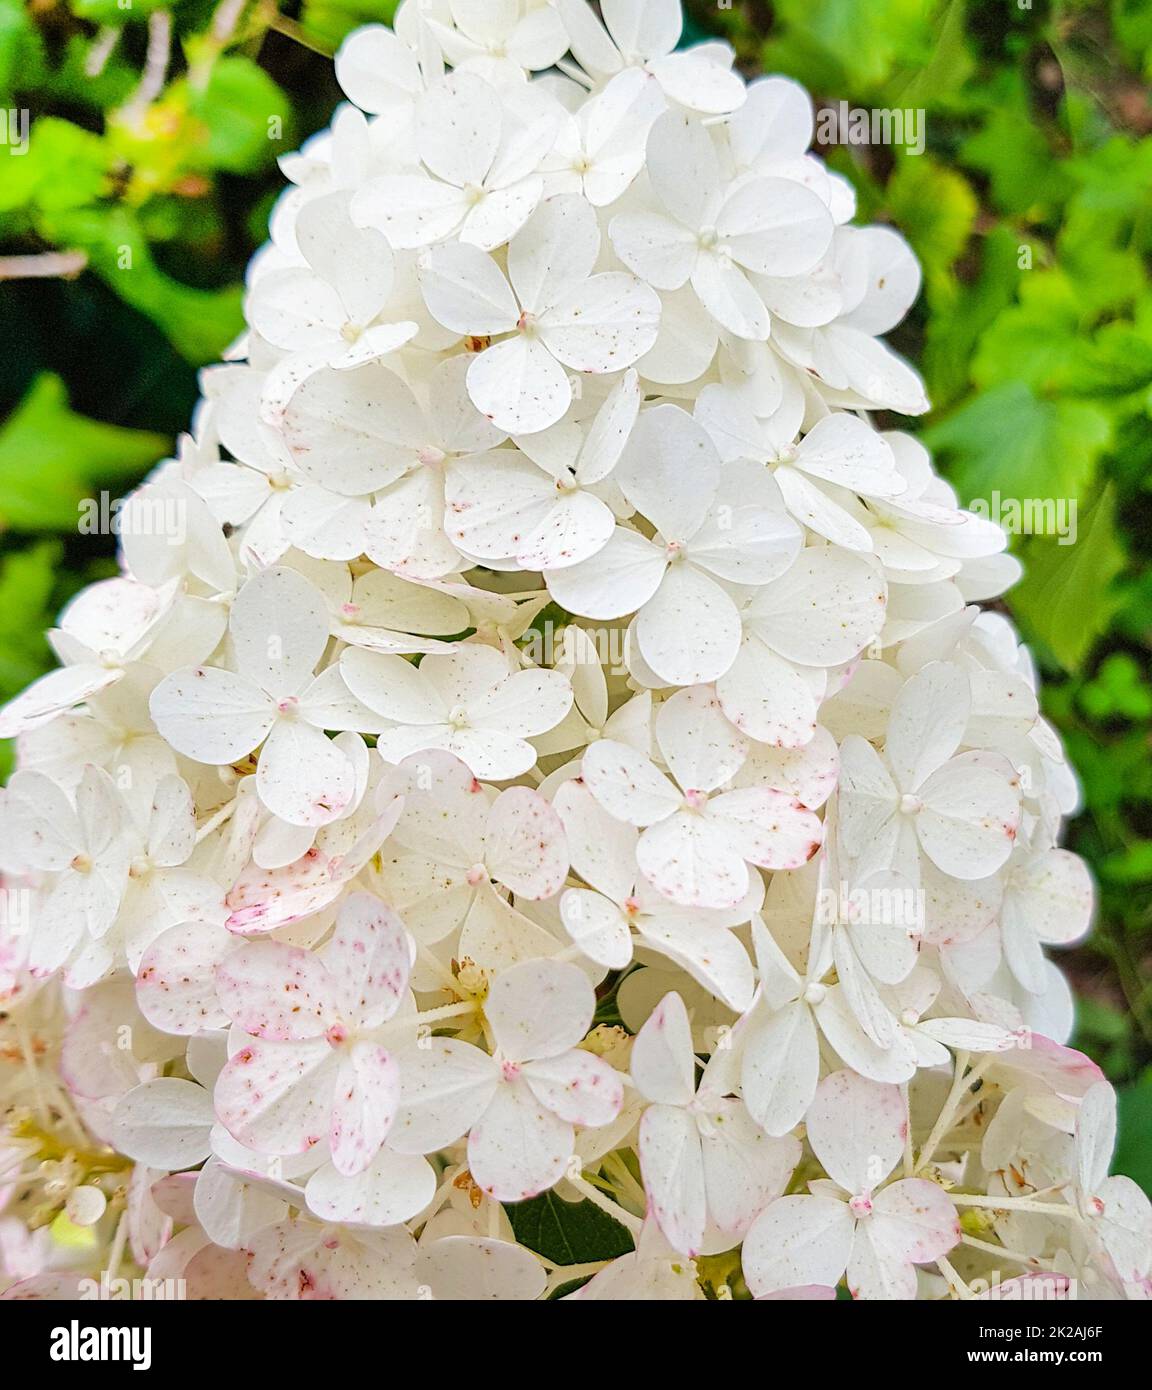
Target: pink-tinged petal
[768, 828]
[672, 1166]
[856, 1128]
[393, 1188]
[663, 1060]
[797, 1241]
[277, 1097]
[263, 899]
[276, 992]
[914, 1221]
[364, 1106]
[368, 962]
[689, 859]
[580, 1088]
[309, 1261]
[176, 986]
[524, 844]
[518, 1148]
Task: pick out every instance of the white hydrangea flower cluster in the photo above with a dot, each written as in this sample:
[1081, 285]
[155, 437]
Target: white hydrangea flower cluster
[543, 741]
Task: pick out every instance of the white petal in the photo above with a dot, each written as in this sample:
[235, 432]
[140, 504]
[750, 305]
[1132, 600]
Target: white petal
[672, 1166]
[519, 385]
[210, 715]
[663, 1061]
[518, 1148]
[689, 631]
[393, 1188]
[780, 1068]
[856, 1128]
[798, 1241]
[466, 291]
[540, 1009]
[627, 784]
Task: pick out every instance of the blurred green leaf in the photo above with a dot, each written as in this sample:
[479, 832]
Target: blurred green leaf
[248, 117]
[1065, 599]
[1008, 440]
[935, 209]
[1134, 1151]
[200, 323]
[50, 457]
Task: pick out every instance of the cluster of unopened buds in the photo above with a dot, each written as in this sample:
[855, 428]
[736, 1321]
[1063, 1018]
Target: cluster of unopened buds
[557, 751]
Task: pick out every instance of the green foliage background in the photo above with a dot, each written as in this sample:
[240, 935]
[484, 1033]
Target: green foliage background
[1031, 211]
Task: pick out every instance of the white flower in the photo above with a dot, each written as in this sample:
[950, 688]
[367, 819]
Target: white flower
[518, 1106]
[645, 33]
[703, 1158]
[1117, 1211]
[963, 809]
[484, 149]
[698, 840]
[715, 527]
[533, 677]
[329, 309]
[279, 630]
[602, 917]
[600, 148]
[456, 844]
[877, 1231]
[561, 315]
[715, 235]
[312, 1067]
[547, 506]
[469, 703]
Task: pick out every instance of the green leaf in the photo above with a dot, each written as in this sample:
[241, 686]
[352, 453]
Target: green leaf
[50, 457]
[1013, 151]
[247, 115]
[865, 44]
[1134, 1152]
[329, 22]
[1010, 441]
[1065, 599]
[965, 312]
[1037, 340]
[199, 323]
[64, 167]
[935, 209]
[567, 1233]
[1117, 690]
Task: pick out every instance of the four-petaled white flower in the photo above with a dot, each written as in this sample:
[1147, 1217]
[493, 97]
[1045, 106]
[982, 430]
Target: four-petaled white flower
[520, 1105]
[854, 1220]
[560, 314]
